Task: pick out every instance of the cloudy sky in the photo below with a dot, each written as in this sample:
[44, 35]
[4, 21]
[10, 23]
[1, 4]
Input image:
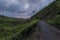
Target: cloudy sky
[21, 8]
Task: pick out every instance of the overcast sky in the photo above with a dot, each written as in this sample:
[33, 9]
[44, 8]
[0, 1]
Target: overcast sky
[21, 8]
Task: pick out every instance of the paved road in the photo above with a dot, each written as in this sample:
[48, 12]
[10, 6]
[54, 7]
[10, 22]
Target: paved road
[48, 32]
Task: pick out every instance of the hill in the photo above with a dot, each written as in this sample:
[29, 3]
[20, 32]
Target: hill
[51, 14]
[13, 28]
[16, 29]
[46, 12]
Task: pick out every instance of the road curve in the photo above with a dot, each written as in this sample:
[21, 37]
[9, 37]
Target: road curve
[48, 32]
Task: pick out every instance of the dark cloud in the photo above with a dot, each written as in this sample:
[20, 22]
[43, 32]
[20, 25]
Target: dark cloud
[14, 7]
[19, 8]
[34, 1]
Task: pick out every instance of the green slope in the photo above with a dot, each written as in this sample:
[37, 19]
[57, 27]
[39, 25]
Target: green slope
[56, 20]
[10, 21]
[51, 14]
[58, 3]
[11, 28]
[47, 12]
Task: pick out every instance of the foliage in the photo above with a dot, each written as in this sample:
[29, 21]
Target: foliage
[10, 28]
[55, 21]
[51, 14]
[46, 12]
[58, 3]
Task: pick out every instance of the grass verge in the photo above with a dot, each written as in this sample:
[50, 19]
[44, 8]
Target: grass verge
[9, 33]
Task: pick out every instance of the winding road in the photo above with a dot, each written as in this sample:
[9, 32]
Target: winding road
[48, 32]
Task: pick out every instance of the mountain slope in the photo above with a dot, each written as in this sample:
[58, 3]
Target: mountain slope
[50, 14]
[47, 12]
[13, 28]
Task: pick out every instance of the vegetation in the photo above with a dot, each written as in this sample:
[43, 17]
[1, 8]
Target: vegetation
[58, 3]
[10, 28]
[51, 14]
[14, 28]
[55, 21]
[47, 12]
